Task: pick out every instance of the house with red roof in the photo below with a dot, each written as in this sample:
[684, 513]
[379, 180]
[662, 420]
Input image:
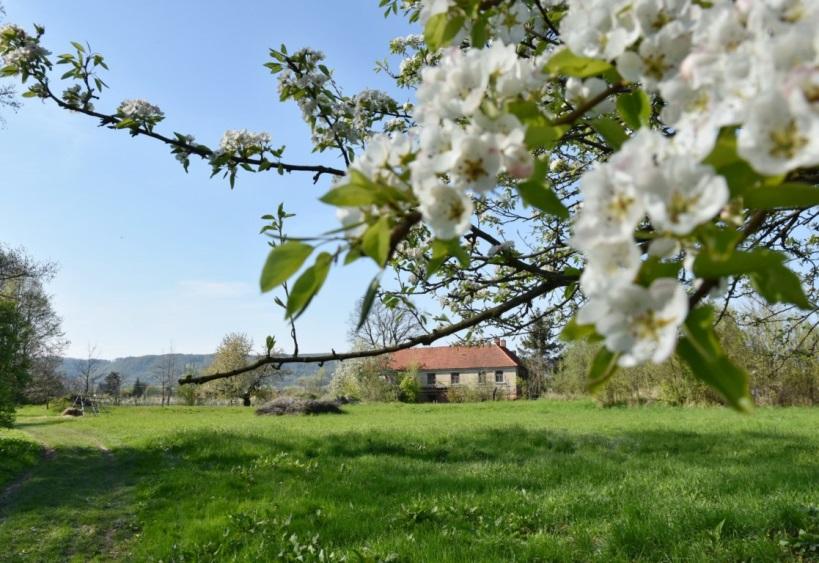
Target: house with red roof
[491, 368]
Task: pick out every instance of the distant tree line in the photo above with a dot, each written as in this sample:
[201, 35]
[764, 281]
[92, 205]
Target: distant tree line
[780, 354]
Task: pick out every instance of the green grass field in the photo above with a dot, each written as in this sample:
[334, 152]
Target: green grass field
[525, 481]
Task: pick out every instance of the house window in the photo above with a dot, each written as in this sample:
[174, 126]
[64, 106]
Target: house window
[481, 377]
[454, 378]
[430, 379]
[499, 376]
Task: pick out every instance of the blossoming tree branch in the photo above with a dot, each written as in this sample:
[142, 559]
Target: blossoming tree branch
[622, 168]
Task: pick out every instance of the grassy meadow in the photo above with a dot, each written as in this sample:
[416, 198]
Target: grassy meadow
[523, 481]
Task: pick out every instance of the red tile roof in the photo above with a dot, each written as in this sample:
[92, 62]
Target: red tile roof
[454, 357]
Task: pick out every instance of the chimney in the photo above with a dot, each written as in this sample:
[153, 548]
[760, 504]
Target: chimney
[501, 343]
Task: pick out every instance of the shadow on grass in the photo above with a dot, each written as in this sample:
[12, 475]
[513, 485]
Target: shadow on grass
[44, 421]
[77, 504]
[647, 493]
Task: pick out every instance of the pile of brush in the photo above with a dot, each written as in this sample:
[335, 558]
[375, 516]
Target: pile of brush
[293, 405]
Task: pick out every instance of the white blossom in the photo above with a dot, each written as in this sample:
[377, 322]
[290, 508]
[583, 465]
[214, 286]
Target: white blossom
[141, 111]
[446, 210]
[599, 28]
[506, 246]
[777, 139]
[609, 266]
[686, 195]
[352, 219]
[641, 323]
[612, 207]
[235, 140]
[472, 162]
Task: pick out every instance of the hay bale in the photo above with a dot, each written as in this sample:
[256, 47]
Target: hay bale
[291, 405]
[72, 411]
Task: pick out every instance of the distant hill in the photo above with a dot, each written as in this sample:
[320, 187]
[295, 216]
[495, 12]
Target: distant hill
[147, 368]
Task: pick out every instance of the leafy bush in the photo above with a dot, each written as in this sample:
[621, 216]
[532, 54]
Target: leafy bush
[57, 406]
[473, 393]
[189, 394]
[409, 388]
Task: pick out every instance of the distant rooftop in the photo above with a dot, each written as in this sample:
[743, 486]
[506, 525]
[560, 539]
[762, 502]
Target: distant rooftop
[487, 356]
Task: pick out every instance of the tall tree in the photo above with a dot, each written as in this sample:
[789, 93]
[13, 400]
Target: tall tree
[167, 373]
[46, 381]
[90, 371]
[235, 352]
[138, 389]
[33, 333]
[13, 363]
[111, 385]
[540, 347]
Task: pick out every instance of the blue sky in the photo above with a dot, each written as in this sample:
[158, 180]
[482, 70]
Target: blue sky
[151, 257]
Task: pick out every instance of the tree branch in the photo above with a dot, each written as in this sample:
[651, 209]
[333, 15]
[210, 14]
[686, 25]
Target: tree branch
[557, 280]
[199, 150]
[756, 221]
[573, 116]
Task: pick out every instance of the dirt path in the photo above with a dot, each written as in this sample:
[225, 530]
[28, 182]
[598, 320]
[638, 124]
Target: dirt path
[81, 477]
[47, 455]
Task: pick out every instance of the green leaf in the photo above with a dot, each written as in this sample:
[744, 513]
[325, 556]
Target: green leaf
[480, 32]
[536, 192]
[654, 268]
[361, 191]
[544, 136]
[526, 112]
[539, 195]
[602, 368]
[611, 130]
[282, 262]
[787, 195]
[766, 269]
[441, 29]
[540, 133]
[738, 174]
[740, 177]
[367, 302]
[725, 149]
[78, 47]
[353, 255]
[575, 331]
[375, 242]
[443, 250]
[349, 195]
[125, 123]
[566, 63]
[308, 284]
[701, 350]
[635, 108]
